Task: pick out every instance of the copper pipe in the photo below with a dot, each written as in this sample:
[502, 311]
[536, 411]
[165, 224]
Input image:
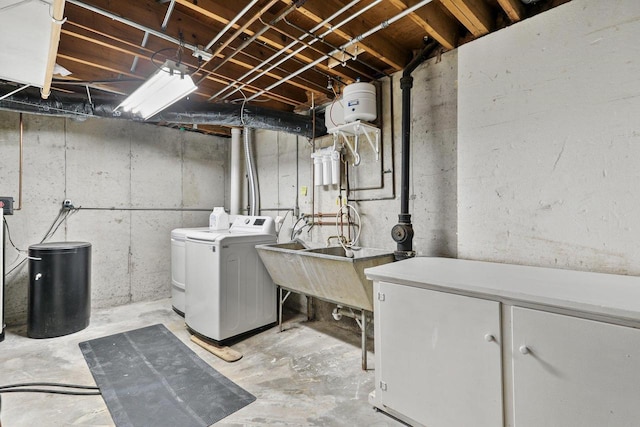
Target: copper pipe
[321, 223]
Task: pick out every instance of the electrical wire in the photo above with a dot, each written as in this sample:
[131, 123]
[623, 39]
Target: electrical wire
[41, 384]
[282, 223]
[41, 390]
[63, 215]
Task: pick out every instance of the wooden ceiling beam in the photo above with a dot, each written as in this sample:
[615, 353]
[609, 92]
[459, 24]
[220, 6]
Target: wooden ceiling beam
[214, 77]
[207, 8]
[475, 15]
[144, 53]
[513, 8]
[433, 20]
[376, 44]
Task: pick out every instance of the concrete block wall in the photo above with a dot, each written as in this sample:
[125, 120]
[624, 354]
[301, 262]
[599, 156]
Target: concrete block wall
[549, 141]
[135, 183]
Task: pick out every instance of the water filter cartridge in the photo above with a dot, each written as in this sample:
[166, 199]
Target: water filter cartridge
[335, 167]
[326, 167]
[317, 168]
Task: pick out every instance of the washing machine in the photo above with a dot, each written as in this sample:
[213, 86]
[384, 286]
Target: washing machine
[178, 266]
[229, 292]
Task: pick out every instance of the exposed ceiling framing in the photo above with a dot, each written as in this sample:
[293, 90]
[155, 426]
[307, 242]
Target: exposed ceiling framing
[277, 54]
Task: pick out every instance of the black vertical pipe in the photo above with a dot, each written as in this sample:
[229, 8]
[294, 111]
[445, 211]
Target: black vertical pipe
[402, 233]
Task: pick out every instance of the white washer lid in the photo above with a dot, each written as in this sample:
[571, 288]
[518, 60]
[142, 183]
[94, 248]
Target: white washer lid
[208, 236]
[181, 233]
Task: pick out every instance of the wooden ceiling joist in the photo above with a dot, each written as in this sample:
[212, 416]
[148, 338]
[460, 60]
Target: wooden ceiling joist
[475, 15]
[437, 24]
[207, 8]
[376, 44]
[513, 8]
[138, 51]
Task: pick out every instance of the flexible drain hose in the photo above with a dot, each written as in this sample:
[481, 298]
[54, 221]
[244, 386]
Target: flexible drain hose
[254, 190]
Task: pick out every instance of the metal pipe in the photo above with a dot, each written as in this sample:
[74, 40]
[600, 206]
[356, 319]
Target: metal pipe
[289, 46]
[235, 35]
[7, 95]
[133, 24]
[309, 45]
[230, 24]
[254, 190]
[353, 41]
[332, 46]
[165, 22]
[235, 206]
[145, 38]
[254, 37]
[402, 233]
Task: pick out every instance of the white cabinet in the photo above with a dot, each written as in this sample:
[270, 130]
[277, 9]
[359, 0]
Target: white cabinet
[467, 343]
[438, 356]
[575, 372]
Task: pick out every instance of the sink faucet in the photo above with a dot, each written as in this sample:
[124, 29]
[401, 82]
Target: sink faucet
[342, 239]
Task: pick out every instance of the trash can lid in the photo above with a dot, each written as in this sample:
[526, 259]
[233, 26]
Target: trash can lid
[56, 246]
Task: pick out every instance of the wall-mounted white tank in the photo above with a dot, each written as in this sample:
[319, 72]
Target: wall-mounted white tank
[359, 100]
[334, 115]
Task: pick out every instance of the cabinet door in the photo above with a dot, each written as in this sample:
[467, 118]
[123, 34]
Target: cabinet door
[576, 372]
[438, 356]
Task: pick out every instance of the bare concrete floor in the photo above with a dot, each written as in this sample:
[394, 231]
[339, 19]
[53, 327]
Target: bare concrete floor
[308, 375]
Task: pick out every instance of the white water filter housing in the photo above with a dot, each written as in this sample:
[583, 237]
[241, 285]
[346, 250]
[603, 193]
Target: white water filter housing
[335, 167]
[359, 100]
[317, 168]
[326, 167]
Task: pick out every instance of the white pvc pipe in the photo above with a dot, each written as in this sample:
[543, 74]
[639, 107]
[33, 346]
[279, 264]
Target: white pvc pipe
[235, 206]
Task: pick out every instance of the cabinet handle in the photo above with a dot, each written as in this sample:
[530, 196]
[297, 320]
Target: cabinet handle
[489, 338]
[524, 349]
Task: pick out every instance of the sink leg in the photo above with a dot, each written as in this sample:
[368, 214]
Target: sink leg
[310, 313]
[364, 340]
[281, 301]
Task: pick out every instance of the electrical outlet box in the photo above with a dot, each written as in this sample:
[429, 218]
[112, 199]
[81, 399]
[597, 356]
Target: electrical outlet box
[6, 203]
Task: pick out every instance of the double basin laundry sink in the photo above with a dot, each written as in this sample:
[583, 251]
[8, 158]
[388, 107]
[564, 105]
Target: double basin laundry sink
[324, 273]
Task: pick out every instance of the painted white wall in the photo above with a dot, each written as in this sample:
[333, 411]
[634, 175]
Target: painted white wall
[102, 163]
[548, 140]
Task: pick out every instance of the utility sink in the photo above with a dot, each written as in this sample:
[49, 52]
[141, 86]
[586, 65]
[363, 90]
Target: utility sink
[324, 273]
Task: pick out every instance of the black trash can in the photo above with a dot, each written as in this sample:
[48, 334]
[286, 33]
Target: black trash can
[59, 288]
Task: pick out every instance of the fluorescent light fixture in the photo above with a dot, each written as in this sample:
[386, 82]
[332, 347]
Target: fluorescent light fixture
[167, 85]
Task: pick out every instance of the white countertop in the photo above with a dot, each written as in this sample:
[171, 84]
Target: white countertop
[598, 294]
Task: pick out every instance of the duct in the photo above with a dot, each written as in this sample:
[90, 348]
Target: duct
[353, 41]
[252, 175]
[235, 207]
[199, 113]
[402, 233]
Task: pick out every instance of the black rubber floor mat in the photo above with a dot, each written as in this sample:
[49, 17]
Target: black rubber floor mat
[148, 377]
